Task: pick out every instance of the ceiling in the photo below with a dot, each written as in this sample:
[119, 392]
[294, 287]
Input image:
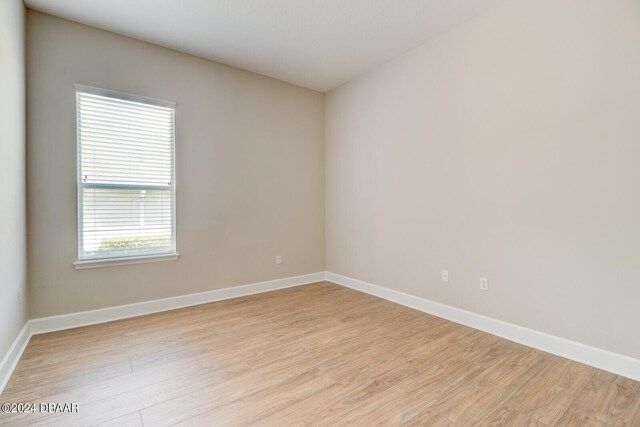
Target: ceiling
[318, 44]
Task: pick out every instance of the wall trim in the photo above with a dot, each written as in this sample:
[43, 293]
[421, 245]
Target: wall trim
[11, 358]
[603, 359]
[102, 315]
[92, 317]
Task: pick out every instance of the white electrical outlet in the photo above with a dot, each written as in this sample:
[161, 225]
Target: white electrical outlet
[445, 276]
[19, 295]
[484, 283]
[278, 259]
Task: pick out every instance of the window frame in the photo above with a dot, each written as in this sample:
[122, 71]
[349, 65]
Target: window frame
[84, 262]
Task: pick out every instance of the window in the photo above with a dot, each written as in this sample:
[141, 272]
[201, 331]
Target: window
[126, 175]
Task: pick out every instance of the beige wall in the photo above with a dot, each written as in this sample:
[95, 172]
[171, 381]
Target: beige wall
[250, 170]
[13, 314]
[507, 148]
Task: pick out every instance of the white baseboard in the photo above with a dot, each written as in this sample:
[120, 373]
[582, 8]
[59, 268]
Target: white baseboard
[84, 318]
[11, 358]
[612, 362]
[602, 359]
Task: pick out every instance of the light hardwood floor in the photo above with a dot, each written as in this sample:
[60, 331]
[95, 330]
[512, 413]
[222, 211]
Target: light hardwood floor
[318, 354]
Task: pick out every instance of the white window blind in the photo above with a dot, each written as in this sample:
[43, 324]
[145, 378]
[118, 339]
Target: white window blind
[126, 175]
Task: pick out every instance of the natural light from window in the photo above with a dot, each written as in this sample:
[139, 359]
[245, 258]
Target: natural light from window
[126, 175]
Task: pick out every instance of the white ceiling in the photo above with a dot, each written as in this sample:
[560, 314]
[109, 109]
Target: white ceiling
[318, 44]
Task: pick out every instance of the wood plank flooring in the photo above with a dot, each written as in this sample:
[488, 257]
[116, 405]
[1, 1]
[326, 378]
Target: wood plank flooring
[318, 354]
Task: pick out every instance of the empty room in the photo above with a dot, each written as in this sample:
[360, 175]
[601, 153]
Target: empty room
[320, 212]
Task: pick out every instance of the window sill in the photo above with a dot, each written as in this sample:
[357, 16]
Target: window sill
[113, 262]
